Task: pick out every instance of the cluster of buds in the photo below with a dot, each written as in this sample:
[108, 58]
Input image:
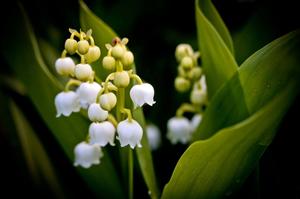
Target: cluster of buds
[103, 101]
[190, 79]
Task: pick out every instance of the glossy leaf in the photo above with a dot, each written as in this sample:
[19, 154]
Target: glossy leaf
[104, 34]
[23, 55]
[267, 83]
[214, 42]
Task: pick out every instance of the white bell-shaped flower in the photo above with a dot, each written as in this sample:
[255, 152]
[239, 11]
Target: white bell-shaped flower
[203, 83]
[87, 93]
[179, 130]
[86, 154]
[102, 133]
[154, 136]
[96, 113]
[65, 66]
[195, 121]
[142, 93]
[130, 133]
[66, 103]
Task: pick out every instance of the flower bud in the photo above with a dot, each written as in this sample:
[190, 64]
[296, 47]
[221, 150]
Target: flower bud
[141, 94]
[65, 66]
[195, 73]
[96, 113]
[127, 59]
[86, 155]
[93, 54]
[183, 50]
[102, 133]
[117, 51]
[182, 84]
[83, 46]
[84, 72]
[66, 103]
[108, 101]
[109, 63]
[187, 62]
[71, 46]
[121, 79]
[198, 97]
[130, 133]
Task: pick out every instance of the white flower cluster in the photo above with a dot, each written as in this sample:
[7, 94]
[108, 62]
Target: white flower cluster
[100, 98]
[190, 78]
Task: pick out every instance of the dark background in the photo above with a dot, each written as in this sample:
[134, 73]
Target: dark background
[154, 28]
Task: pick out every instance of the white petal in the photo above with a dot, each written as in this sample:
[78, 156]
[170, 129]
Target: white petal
[102, 133]
[130, 133]
[96, 113]
[149, 94]
[179, 130]
[87, 93]
[66, 103]
[196, 120]
[86, 155]
[141, 94]
[154, 136]
[65, 66]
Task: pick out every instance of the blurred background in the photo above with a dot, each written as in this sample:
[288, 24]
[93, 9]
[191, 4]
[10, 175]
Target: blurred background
[154, 29]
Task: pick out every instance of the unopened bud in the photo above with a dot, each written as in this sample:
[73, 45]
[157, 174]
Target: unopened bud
[187, 62]
[182, 84]
[83, 47]
[93, 54]
[108, 101]
[109, 63]
[84, 72]
[117, 51]
[121, 79]
[127, 59]
[71, 46]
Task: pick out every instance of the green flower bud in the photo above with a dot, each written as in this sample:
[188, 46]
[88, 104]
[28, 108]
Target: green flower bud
[187, 62]
[109, 63]
[198, 97]
[195, 73]
[83, 47]
[108, 101]
[117, 51]
[127, 59]
[93, 54]
[84, 72]
[121, 79]
[183, 50]
[71, 46]
[182, 84]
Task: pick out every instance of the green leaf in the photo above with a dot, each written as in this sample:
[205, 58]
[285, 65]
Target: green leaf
[214, 168]
[215, 45]
[266, 84]
[20, 49]
[103, 34]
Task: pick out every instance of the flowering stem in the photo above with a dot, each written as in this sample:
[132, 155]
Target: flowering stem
[186, 108]
[130, 172]
[136, 78]
[72, 82]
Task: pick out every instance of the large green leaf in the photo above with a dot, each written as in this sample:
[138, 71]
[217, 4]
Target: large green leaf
[266, 84]
[21, 51]
[215, 167]
[104, 34]
[215, 44]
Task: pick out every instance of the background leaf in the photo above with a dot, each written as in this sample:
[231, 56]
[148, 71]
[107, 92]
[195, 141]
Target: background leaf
[22, 53]
[214, 43]
[104, 34]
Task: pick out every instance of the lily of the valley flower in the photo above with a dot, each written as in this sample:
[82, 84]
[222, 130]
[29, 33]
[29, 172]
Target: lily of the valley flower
[141, 94]
[195, 121]
[179, 130]
[130, 133]
[96, 113]
[153, 134]
[86, 155]
[102, 133]
[65, 66]
[66, 103]
[87, 93]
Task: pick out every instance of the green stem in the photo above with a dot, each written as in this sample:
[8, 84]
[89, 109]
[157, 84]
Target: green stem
[130, 172]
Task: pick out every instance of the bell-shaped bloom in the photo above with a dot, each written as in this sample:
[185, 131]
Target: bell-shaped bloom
[195, 121]
[66, 103]
[154, 136]
[102, 133]
[96, 113]
[141, 94]
[86, 154]
[130, 133]
[65, 66]
[179, 130]
[87, 93]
